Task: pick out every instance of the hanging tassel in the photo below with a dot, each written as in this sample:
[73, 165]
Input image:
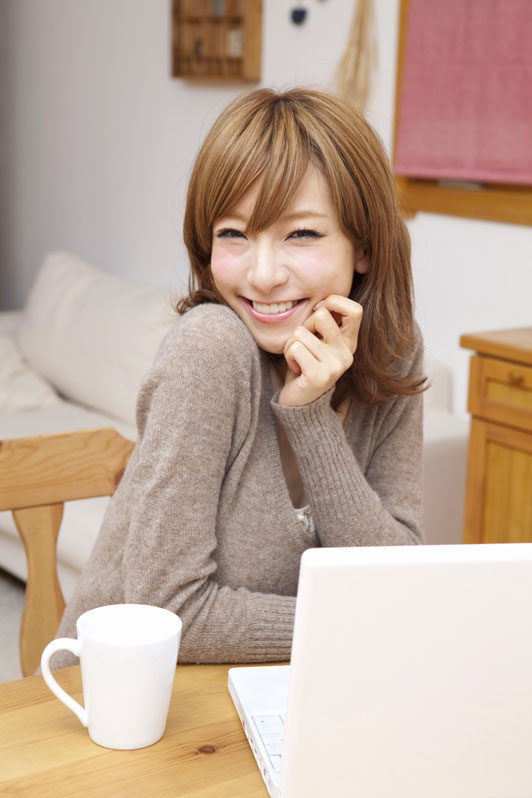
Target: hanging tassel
[353, 73]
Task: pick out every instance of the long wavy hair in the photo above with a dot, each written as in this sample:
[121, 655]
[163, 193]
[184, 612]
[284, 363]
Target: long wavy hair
[275, 136]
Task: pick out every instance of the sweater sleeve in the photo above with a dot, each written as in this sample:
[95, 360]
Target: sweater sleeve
[193, 414]
[381, 506]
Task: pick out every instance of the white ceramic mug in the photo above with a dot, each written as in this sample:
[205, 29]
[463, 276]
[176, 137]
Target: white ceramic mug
[128, 655]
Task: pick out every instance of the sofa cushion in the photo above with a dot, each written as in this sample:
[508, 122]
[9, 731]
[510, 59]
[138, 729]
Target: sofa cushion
[61, 416]
[21, 388]
[93, 335]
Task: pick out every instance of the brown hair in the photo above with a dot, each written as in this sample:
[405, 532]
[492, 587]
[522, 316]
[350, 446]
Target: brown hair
[275, 136]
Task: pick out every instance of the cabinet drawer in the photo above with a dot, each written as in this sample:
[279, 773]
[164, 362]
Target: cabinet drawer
[501, 391]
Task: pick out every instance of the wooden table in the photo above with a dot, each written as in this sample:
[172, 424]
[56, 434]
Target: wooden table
[45, 751]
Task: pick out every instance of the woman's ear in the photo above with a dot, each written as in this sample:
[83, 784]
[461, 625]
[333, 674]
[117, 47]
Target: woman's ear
[361, 264]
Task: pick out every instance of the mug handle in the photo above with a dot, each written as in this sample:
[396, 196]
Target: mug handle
[62, 644]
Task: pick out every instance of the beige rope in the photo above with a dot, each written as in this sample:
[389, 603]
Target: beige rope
[353, 72]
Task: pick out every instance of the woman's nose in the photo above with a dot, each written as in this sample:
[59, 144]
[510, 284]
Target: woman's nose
[266, 270]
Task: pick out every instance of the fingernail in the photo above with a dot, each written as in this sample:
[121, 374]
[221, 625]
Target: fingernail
[317, 306]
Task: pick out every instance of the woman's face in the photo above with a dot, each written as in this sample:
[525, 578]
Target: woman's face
[274, 278]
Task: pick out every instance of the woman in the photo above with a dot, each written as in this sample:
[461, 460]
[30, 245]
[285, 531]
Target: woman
[284, 407]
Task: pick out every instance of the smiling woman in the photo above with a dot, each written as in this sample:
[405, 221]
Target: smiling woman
[274, 278]
[283, 410]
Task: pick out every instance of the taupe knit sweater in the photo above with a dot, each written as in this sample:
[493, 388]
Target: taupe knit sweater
[202, 522]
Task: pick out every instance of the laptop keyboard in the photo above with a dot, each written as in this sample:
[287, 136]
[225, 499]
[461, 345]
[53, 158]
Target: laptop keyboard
[271, 732]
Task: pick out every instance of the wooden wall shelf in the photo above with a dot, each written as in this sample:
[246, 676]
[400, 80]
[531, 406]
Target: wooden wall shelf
[217, 40]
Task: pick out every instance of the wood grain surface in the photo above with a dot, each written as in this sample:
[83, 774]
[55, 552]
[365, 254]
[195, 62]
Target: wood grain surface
[50, 469]
[46, 752]
[513, 344]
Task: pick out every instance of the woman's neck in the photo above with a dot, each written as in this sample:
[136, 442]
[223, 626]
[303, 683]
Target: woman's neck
[278, 369]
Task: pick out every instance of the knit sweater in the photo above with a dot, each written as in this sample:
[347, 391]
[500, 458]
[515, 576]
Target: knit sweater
[202, 522]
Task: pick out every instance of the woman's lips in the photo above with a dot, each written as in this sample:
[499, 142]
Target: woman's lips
[271, 318]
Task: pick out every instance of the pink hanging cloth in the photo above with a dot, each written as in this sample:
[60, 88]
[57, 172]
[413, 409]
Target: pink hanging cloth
[465, 107]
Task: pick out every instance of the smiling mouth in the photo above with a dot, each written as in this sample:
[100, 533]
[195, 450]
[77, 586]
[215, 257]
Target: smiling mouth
[274, 308]
[269, 313]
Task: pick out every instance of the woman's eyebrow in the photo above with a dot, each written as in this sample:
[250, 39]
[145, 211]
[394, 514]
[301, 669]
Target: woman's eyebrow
[288, 217]
[302, 213]
[234, 215]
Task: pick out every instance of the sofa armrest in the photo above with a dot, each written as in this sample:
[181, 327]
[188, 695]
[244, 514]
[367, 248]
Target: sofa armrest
[9, 321]
[444, 476]
[439, 396]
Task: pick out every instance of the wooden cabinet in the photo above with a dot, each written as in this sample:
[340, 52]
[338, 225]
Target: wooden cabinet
[499, 478]
[217, 40]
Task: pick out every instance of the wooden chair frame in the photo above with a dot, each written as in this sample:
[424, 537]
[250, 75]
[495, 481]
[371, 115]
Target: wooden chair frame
[37, 475]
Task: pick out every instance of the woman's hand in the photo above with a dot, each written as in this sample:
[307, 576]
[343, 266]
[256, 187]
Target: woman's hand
[316, 364]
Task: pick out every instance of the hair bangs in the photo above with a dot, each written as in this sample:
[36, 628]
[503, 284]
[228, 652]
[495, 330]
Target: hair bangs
[339, 167]
[273, 149]
[241, 159]
[289, 154]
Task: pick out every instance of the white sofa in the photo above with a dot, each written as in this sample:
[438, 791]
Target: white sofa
[74, 359]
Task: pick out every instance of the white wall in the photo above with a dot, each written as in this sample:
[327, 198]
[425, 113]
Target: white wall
[97, 142]
[99, 139]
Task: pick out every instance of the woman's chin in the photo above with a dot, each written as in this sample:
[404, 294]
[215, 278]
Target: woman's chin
[270, 351]
[272, 347]
[269, 342]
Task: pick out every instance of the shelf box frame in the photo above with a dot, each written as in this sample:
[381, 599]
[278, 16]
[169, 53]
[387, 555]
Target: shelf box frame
[209, 62]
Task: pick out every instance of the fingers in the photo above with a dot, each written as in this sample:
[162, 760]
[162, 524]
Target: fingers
[338, 338]
[307, 363]
[315, 377]
[320, 361]
[327, 325]
[291, 362]
[294, 347]
[350, 313]
[308, 339]
[319, 352]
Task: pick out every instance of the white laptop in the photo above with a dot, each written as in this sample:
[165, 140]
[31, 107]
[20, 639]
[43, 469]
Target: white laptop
[410, 677]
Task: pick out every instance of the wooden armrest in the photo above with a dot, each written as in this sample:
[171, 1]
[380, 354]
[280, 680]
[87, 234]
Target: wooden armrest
[37, 475]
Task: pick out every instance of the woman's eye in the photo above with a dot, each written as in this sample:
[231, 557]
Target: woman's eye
[229, 232]
[305, 233]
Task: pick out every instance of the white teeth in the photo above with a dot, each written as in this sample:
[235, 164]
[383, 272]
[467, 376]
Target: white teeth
[276, 307]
